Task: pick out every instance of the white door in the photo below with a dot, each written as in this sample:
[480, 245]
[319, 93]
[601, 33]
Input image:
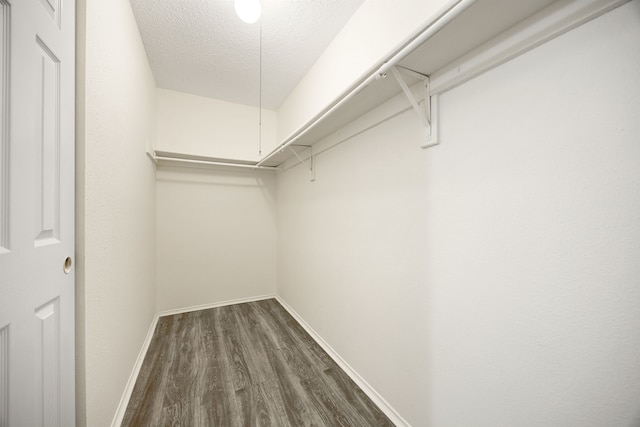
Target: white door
[37, 60]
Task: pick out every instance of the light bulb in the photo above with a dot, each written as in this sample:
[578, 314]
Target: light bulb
[248, 10]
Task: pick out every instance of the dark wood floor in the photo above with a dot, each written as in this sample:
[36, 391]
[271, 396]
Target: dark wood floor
[247, 364]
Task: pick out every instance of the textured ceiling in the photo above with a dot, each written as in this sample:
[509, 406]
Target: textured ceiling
[202, 47]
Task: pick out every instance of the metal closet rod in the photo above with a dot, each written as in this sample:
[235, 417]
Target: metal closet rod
[449, 13]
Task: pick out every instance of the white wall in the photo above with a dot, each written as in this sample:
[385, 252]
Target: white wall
[216, 236]
[115, 205]
[492, 280]
[201, 126]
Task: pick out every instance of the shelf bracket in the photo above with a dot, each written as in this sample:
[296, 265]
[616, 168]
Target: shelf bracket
[426, 113]
[310, 164]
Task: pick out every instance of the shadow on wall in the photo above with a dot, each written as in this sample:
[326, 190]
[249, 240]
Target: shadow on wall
[226, 178]
[212, 176]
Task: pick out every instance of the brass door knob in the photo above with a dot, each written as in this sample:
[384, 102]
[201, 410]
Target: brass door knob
[67, 265]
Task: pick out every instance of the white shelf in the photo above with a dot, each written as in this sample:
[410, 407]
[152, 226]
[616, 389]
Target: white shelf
[492, 30]
[166, 158]
[468, 39]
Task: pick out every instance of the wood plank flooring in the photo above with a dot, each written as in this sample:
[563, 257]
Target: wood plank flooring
[247, 364]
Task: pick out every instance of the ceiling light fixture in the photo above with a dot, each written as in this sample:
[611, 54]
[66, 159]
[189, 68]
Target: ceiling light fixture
[248, 10]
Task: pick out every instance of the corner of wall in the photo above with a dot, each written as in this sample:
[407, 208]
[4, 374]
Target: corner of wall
[115, 205]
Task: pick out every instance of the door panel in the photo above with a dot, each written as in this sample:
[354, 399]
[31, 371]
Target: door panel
[48, 361]
[47, 113]
[37, 108]
[4, 376]
[4, 125]
[52, 7]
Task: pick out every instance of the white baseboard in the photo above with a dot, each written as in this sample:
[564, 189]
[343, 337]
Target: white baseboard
[384, 406]
[391, 413]
[128, 390]
[214, 305]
